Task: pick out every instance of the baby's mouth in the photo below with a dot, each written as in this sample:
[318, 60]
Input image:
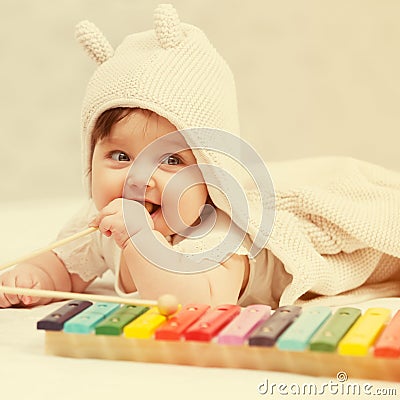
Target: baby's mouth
[151, 207]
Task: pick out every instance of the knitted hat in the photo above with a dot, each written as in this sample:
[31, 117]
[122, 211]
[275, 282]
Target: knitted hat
[172, 70]
[175, 72]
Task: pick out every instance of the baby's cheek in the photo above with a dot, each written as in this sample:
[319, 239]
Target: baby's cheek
[106, 187]
[98, 193]
[192, 202]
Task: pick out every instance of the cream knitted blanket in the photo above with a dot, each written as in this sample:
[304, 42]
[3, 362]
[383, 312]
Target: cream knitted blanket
[337, 228]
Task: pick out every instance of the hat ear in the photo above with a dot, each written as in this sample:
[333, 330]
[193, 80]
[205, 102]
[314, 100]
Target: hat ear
[167, 26]
[93, 41]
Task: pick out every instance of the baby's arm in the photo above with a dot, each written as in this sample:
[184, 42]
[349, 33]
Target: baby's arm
[46, 272]
[221, 285]
[217, 286]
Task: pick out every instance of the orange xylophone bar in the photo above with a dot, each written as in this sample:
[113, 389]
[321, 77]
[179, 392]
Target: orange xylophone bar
[308, 341]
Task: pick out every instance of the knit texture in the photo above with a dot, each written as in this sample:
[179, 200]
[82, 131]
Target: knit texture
[337, 227]
[172, 70]
[94, 42]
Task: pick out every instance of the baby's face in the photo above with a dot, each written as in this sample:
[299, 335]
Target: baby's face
[113, 158]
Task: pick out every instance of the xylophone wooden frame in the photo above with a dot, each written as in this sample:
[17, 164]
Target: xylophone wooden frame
[212, 354]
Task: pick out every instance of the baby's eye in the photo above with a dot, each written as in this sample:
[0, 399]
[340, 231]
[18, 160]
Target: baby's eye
[171, 160]
[119, 156]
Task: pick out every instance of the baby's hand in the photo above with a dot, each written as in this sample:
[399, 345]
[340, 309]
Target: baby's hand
[111, 221]
[24, 276]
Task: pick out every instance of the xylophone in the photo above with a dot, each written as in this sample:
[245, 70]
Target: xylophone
[310, 341]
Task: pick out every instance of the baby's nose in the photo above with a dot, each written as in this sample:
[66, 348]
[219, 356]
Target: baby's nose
[139, 181]
[136, 187]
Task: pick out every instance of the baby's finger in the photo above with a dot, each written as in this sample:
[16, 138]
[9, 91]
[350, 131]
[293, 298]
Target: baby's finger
[94, 223]
[27, 300]
[4, 303]
[12, 299]
[29, 283]
[110, 209]
[105, 226]
[10, 280]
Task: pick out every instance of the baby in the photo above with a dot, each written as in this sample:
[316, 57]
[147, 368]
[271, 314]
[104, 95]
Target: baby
[184, 207]
[155, 83]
